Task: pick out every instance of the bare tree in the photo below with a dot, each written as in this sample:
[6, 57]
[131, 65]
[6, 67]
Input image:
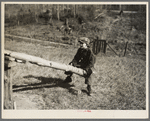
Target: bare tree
[74, 11]
[120, 7]
[63, 8]
[58, 11]
[36, 9]
[67, 7]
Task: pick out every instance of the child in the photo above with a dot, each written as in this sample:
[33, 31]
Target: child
[85, 60]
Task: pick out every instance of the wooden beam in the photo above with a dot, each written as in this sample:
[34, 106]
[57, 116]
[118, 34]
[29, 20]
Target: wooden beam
[8, 101]
[42, 62]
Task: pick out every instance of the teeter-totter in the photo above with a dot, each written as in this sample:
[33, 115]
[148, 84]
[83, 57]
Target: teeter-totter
[22, 57]
[12, 57]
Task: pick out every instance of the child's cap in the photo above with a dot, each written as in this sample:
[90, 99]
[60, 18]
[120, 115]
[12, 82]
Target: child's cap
[84, 40]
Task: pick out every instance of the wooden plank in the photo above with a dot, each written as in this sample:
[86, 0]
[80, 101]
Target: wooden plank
[42, 62]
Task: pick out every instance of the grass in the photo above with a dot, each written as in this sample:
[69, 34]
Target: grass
[120, 84]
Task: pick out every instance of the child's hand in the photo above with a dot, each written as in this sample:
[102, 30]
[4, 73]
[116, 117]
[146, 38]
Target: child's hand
[67, 69]
[70, 63]
[84, 73]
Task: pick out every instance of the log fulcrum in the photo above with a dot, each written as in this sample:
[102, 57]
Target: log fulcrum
[42, 62]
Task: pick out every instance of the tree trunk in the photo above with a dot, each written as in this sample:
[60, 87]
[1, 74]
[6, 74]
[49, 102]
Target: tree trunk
[67, 8]
[74, 11]
[36, 16]
[58, 11]
[63, 8]
[77, 9]
[45, 63]
[120, 7]
[43, 7]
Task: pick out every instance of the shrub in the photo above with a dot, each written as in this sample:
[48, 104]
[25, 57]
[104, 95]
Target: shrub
[86, 13]
[46, 15]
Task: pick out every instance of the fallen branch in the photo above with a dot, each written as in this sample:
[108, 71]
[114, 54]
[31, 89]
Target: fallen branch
[42, 62]
[101, 14]
[34, 40]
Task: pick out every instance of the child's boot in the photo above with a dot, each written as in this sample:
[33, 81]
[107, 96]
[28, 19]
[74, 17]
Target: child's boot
[68, 79]
[89, 90]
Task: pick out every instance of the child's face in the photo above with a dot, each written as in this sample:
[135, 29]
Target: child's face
[83, 45]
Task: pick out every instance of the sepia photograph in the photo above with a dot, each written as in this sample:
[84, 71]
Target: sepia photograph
[74, 60]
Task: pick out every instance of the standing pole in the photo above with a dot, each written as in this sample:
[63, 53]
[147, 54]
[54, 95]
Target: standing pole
[125, 48]
[105, 45]
[8, 101]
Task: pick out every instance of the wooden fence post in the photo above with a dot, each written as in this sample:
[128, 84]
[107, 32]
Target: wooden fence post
[105, 46]
[8, 101]
[125, 48]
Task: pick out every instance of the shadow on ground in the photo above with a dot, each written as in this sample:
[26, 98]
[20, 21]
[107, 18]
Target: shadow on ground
[45, 83]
